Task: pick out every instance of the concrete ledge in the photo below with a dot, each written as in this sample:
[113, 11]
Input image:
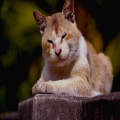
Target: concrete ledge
[9, 116]
[59, 107]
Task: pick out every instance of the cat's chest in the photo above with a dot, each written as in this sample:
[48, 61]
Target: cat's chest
[55, 74]
[55, 77]
[58, 76]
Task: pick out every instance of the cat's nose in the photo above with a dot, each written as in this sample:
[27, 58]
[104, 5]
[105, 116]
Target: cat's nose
[58, 51]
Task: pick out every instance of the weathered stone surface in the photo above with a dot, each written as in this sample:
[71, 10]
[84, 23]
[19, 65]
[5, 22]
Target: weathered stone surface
[9, 116]
[59, 107]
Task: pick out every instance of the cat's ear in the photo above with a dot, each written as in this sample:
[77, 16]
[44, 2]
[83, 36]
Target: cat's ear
[68, 10]
[41, 20]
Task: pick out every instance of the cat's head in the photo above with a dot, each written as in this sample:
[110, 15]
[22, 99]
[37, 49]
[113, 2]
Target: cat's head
[60, 36]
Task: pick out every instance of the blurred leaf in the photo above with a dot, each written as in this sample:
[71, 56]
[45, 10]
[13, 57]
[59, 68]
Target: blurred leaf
[24, 91]
[95, 36]
[19, 19]
[9, 58]
[113, 51]
[20, 28]
[35, 70]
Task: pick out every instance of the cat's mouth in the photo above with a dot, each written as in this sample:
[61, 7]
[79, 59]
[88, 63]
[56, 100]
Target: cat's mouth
[61, 59]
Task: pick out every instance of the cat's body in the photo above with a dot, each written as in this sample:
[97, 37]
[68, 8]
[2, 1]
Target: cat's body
[71, 64]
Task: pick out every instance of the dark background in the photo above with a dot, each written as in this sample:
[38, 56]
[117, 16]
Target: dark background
[20, 44]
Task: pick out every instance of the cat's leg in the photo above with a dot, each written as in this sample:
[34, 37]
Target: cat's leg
[96, 93]
[76, 86]
[36, 85]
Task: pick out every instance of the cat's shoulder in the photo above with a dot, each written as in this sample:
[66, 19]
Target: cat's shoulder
[90, 47]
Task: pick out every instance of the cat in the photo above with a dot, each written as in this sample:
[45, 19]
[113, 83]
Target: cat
[72, 66]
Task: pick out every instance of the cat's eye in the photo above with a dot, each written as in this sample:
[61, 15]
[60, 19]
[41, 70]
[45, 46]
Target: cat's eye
[50, 41]
[63, 36]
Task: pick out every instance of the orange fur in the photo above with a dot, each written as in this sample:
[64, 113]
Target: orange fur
[78, 70]
[68, 37]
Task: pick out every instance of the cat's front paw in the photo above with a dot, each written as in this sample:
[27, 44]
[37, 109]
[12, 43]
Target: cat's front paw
[39, 87]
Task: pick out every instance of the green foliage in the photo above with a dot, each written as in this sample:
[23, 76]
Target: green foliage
[113, 51]
[20, 28]
[24, 91]
[9, 58]
[23, 36]
[18, 22]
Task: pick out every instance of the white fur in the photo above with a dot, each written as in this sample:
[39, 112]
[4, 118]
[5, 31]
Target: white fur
[82, 53]
[83, 50]
[95, 93]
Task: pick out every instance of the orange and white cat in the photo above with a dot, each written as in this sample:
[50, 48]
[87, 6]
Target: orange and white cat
[72, 66]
